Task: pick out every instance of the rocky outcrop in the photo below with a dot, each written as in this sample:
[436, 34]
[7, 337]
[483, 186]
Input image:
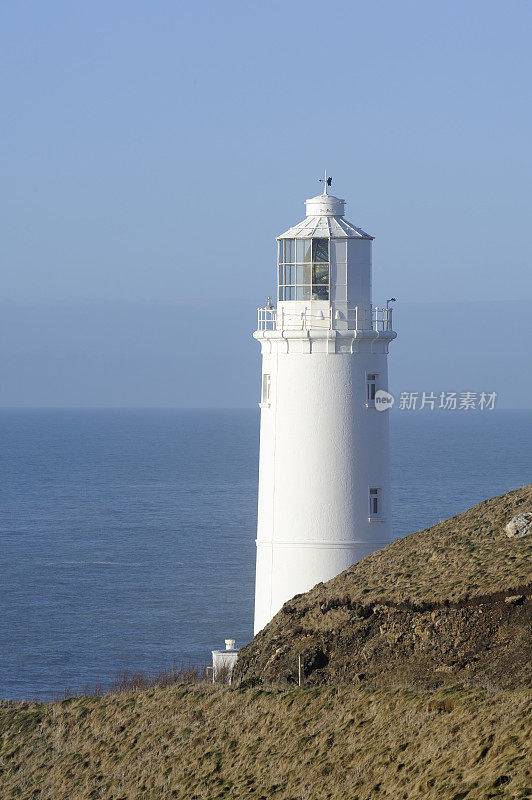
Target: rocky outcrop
[519, 526]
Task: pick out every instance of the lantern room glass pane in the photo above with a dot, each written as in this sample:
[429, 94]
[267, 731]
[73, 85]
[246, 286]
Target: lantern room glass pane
[320, 250]
[303, 292]
[303, 251]
[303, 273]
[304, 269]
[320, 273]
[289, 251]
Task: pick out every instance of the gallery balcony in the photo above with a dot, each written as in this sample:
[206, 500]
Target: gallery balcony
[299, 316]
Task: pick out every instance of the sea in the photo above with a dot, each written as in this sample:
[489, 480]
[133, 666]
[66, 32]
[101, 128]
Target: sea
[127, 536]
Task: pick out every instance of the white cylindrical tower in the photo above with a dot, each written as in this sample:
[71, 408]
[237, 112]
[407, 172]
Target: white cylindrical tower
[324, 487]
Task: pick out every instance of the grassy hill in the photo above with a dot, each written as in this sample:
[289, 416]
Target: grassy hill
[339, 743]
[416, 670]
[448, 603]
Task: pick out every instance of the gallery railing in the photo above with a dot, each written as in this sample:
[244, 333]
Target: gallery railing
[357, 318]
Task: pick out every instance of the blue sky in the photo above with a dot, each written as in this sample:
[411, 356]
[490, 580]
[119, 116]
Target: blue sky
[152, 151]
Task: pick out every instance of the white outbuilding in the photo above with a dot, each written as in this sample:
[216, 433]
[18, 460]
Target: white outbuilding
[223, 662]
[324, 486]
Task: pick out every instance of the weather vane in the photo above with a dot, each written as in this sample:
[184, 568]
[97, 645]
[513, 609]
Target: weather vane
[326, 182]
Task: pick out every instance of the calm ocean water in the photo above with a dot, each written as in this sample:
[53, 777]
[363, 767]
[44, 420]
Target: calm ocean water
[128, 536]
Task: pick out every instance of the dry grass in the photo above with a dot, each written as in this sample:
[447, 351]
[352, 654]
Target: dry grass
[127, 681]
[215, 742]
[465, 556]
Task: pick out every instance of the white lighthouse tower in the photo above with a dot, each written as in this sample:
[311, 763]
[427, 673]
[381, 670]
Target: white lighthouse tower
[324, 487]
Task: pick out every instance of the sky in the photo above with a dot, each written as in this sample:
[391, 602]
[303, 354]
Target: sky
[151, 152]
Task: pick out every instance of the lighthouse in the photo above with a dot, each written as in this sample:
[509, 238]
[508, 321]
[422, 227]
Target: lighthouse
[324, 485]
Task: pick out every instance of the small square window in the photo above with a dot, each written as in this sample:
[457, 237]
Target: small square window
[374, 502]
[371, 388]
[266, 388]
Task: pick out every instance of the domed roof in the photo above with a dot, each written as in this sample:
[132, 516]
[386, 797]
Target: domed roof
[325, 218]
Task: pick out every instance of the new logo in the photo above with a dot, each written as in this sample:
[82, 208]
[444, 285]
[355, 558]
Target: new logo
[383, 400]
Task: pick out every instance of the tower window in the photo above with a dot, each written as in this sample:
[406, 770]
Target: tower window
[374, 502]
[304, 269]
[266, 388]
[371, 388]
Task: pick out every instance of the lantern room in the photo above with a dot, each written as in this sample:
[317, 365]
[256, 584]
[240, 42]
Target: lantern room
[324, 269]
